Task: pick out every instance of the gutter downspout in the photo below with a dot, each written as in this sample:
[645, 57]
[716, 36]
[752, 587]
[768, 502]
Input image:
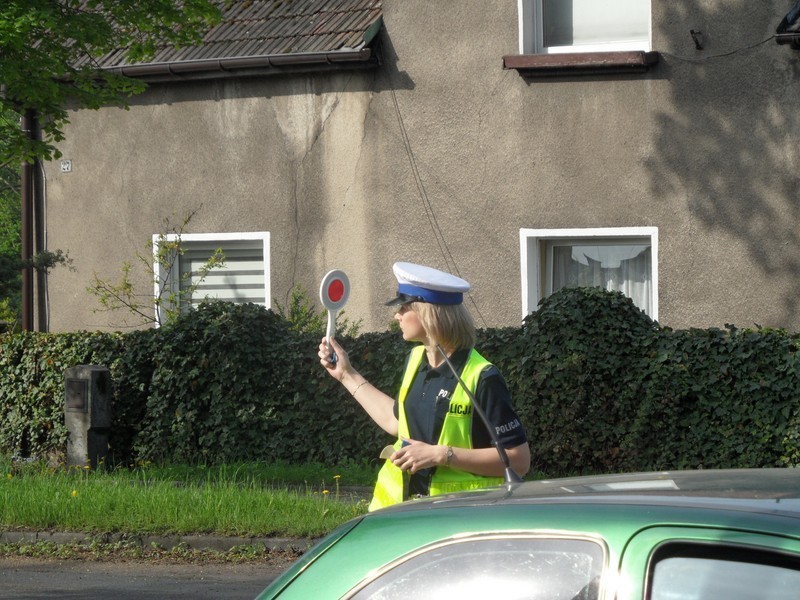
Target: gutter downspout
[39, 240]
[26, 192]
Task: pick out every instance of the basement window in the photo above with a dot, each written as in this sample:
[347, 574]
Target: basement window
[244, 277]
[621, 259]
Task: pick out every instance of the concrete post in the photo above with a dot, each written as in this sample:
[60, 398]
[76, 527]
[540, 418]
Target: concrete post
[87, 414]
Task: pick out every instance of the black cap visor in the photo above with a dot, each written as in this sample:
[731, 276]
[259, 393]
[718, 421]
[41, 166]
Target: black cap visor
[404, 299]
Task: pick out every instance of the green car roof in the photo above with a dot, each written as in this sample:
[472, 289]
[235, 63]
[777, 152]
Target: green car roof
[607, 509]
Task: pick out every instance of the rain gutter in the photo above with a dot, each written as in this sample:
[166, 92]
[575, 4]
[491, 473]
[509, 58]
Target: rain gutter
[249, 65]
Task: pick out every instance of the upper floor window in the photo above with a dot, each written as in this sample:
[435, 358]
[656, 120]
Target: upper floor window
[558, 26]
[621, 259]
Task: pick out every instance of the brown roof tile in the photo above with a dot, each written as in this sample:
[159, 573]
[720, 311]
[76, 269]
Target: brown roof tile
[258, 28]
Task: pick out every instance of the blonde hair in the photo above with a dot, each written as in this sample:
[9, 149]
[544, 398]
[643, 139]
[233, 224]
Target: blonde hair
[449, 325]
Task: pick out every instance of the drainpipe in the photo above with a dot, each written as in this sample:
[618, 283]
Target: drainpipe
[26, 174]
[39, 240]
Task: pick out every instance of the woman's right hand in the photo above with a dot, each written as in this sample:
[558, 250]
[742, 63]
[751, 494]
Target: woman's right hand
[338, 369]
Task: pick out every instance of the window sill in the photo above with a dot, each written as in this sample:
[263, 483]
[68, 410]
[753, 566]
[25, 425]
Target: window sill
[587, 63]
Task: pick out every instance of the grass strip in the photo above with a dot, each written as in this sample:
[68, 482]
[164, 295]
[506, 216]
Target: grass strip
[129, 551]
[150, 500]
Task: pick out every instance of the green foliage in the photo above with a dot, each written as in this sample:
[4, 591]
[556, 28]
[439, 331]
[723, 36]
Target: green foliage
[304, 317]
[583, 351]
[47, 48]
[131, 360]
[10, 242]
[32, 389]
[11, 266]
[312, 475]
[140, 502]
[301, 313]
[601, 387]
[11, 263]
[47, 260]
[719, 397]
[9, 319]
[598, 385]
[210, 389]
[161, 263]
[319, 415]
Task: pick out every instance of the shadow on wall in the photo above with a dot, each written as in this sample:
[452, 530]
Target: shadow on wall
[728, 144]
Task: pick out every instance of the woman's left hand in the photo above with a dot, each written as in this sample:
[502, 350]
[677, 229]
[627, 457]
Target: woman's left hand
[419, 455]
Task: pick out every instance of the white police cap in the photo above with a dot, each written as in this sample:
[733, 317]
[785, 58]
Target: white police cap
[417, 283]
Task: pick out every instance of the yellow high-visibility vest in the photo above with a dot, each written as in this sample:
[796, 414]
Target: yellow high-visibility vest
[392, 484]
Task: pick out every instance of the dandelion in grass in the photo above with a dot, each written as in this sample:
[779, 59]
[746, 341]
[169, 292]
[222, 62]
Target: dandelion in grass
[74, 493]
[325, 508]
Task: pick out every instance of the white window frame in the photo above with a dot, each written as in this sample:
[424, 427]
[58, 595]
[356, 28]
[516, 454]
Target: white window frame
[531, 34]
[532, 261]
[162, 275]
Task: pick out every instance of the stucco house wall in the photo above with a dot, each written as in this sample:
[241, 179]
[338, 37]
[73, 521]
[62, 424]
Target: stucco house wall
[441, 156]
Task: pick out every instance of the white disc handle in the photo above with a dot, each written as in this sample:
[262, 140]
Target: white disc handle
[334, 290]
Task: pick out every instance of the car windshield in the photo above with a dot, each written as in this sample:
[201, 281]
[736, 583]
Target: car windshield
[502, 567]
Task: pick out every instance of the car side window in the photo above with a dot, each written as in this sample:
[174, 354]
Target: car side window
[494, 567]
[706, 572]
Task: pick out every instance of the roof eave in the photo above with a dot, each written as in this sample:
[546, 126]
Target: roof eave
[248, 66]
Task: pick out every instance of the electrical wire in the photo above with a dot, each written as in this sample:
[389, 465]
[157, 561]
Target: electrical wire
[426, 203]
[713, 56]
[449, 260]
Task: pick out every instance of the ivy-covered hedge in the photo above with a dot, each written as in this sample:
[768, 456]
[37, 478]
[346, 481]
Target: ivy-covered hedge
[598, 385]
[601, 387]
[223, 383]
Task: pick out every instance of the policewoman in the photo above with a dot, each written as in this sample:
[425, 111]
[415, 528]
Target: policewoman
[442, 445]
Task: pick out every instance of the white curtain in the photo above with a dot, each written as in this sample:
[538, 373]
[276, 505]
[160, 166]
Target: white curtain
[624, 268]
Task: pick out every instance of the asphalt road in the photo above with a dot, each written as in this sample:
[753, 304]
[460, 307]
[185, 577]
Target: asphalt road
[35, 579]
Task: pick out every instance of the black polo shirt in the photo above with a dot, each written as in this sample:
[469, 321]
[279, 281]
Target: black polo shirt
[428, 400]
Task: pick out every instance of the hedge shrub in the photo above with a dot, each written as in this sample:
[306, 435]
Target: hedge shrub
[598, 385]
[31, 391]
[584, 352]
